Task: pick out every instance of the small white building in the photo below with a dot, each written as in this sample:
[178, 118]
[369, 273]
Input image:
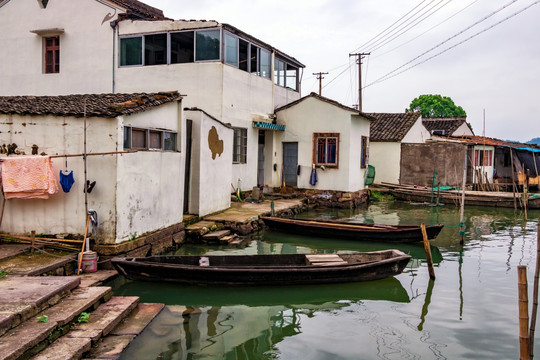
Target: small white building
[388, 132]
[135, 154]
[321, 133]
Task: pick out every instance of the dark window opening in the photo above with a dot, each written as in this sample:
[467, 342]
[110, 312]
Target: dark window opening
[207, 45]
[240, 146]
[243, 49]
[254, 59]
[182, 47]
[364, 153]
[155, 49]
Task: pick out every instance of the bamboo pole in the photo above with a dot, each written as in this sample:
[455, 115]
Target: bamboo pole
[525, 200]
[534, 312]
[84, 242]
[462, 211]
[95, 154]
[523, 314]
[513, 181]
[43, 239]
[428, 252]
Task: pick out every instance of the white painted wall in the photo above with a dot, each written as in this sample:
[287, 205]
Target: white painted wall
[417, 134]
[385, 157]
[463, 130]
[315, 116]
[64, 212]
[150, 184]
[210, 187]
[86, 54]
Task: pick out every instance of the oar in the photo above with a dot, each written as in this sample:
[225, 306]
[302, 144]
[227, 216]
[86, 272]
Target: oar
[84, 242]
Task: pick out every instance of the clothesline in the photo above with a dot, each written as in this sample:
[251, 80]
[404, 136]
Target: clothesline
[94, 154]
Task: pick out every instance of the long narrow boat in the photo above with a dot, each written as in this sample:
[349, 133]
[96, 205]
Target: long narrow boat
[352, 231]
[281, 269]
[474, 198]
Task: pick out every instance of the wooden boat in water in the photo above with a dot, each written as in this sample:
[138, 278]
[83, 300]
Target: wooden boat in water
[281, 269]
[472, 198]
[353, 231]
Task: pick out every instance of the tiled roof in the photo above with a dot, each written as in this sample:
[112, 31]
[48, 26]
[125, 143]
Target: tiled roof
[481, 140]
[141, 9]
[325, 99]
[449, 125]
[391, 126]
[97, 105]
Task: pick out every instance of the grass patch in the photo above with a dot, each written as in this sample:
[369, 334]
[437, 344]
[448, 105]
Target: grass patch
[380, 196]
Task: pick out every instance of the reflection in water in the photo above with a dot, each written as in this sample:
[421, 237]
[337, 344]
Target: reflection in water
[471, 313]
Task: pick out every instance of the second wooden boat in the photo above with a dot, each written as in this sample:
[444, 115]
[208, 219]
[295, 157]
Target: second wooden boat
[352, 231]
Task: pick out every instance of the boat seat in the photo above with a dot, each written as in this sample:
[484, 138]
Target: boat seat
[325, 260]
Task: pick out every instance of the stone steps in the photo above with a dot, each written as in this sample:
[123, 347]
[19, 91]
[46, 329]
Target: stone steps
[32, 336]
[112, 346]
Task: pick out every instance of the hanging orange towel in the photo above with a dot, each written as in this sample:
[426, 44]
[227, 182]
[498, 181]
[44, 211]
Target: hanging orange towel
[28, 177]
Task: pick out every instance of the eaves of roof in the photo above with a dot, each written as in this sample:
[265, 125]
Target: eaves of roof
[89, 105]
[141, 9]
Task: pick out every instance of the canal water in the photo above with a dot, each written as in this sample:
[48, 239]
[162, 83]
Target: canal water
[469, 312]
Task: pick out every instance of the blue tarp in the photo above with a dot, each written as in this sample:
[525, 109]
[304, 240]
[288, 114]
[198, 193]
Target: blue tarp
[529, 149]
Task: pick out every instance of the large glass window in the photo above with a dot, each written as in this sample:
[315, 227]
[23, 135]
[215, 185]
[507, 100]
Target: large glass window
[279, 72]
[291, 77]
[182, 47]
[254, 59]
[240, 146]
[265, 64]
[326, 149]
[155, 49]
[231, 49]
[207, 45]
[131, 51]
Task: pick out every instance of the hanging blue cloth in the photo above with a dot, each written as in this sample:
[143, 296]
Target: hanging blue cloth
[66, 180]
[313, 178]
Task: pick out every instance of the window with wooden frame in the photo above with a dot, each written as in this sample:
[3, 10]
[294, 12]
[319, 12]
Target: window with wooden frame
[364, 155]
[240, 146]
[52, 54]
[149, 139]
[326, 149]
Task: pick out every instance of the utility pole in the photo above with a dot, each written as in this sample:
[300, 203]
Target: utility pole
[359, 57]
[320, 77]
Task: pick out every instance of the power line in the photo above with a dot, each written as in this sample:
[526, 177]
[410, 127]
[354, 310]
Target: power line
[387, 76]
[389, 27]
[428, 30]
[447, 40]
[412, 25]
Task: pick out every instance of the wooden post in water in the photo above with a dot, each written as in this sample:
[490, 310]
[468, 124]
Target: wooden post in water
[525, 200]
[32, 239]
[428, 252]
[534, 312]
[524, 353]
[462, 211]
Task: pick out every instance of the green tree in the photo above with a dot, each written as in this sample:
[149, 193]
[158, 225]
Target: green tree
[435, 106]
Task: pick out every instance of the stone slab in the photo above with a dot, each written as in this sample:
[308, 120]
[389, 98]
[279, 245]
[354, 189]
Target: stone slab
[242, 212]
[24, 337]
[34, 290]
[216, 235]
[11, 250]
[35, 264]
[140, 252]
[199, 225]
[105, 318]
[97, 278]
[111, 347]
[6, 322]
[81, 299]
[65, 349]
[135, 323]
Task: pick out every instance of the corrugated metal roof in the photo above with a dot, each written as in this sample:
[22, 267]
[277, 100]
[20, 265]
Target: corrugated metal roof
[97, 105]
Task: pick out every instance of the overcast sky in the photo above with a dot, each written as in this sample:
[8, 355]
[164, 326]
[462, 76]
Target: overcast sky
[497, 70]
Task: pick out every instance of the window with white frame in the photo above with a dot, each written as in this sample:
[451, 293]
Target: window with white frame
[285, 74]
[240, 146]
[149, 139]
